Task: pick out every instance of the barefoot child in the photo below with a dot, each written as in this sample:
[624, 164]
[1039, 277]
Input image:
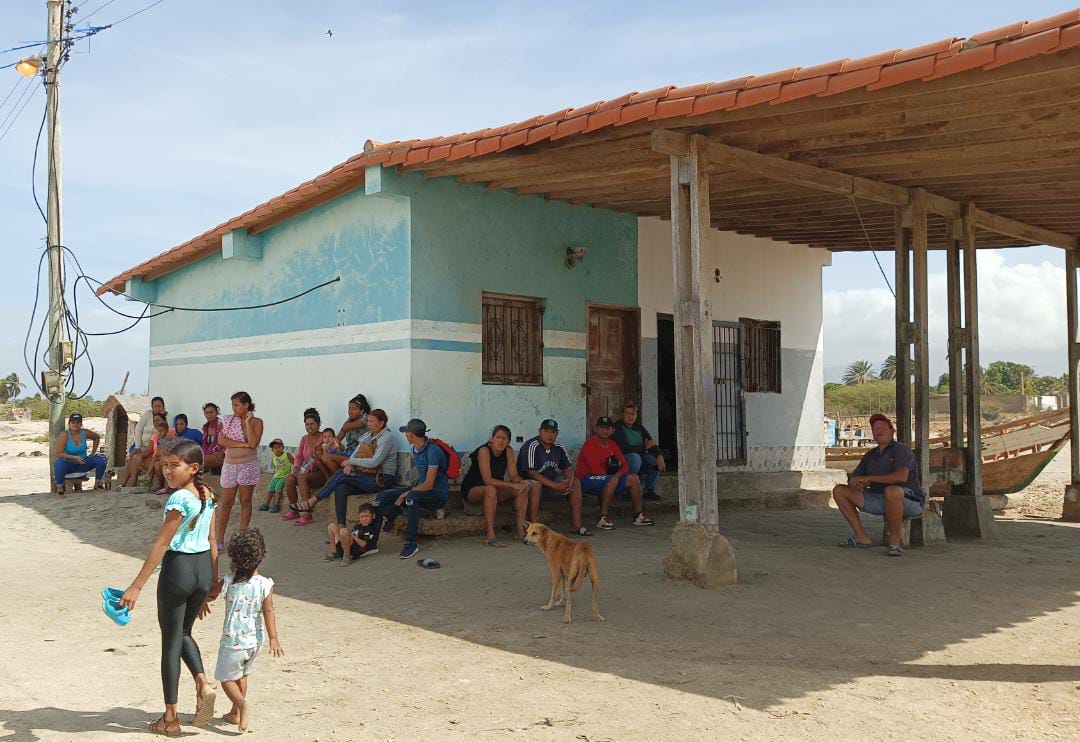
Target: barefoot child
[282, 464]
[362, 540]
[188, 556]
[249, 602]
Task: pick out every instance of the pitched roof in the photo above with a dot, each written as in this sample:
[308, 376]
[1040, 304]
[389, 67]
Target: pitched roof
[988, 50]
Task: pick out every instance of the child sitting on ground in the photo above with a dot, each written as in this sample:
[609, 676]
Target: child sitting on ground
[249, 604]
[282, 464]
[361, 541]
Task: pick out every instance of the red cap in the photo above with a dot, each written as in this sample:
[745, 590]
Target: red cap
[878, 416]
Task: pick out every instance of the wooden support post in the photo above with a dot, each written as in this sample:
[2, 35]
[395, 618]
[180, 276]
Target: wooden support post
[972, 369]
[699, 553]
[956, 332]
[1071, 509]
[919, 248]
[903, 325]
[969, 514]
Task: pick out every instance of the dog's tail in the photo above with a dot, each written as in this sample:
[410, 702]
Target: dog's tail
[578, 569]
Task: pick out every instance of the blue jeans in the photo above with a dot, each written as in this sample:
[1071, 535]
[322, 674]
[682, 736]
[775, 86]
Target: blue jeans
[414, 502]
[95, 463]
[644, 465]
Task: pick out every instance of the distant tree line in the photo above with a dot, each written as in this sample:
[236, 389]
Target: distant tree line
[11, 387]
[1000, 377]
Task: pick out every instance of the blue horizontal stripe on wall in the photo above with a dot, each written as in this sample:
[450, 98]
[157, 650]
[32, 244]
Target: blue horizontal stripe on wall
[415, 344]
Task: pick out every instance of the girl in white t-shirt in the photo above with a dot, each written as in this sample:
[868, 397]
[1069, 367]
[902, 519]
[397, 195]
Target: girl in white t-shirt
[249, 621]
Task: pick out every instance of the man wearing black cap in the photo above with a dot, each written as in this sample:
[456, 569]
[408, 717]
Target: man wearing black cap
[543, 460]
[429, 493]
[603, 471]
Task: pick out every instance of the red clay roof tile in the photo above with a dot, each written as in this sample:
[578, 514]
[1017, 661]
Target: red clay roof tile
[987, 50]
[874, 60]
[667, 109]
[846, 81]
[570, 126]
[925, 50]
[541, 132]
[829, 68]
[964, 61]
[637, 111]
[997, 34]
[714, 102]
[896, 74]
[802, 89]
[1024, 47]
[761, 81]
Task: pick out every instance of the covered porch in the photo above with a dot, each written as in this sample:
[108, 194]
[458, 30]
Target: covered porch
[958, 145]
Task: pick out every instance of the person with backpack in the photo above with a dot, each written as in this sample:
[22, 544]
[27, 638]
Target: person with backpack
[433, 468]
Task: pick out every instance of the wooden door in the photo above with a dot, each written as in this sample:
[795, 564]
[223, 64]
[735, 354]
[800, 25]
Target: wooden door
[612, 369]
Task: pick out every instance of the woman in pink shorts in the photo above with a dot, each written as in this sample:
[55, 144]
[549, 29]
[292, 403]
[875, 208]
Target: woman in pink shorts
[240, 435]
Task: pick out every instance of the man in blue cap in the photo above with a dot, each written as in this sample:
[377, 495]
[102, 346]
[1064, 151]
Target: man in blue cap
[543, 460]
[429, 493]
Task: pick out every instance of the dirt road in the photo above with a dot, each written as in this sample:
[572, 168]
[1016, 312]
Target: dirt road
[968, 641]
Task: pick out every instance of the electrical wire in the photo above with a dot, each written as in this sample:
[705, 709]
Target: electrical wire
[129, 17]
[870, 245]
[18, 82]
[16, 109]
[96, 10]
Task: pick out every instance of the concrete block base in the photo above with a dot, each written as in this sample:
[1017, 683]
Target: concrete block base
[924, 531]
[700, 556]
[965, 516]
[1070, 511]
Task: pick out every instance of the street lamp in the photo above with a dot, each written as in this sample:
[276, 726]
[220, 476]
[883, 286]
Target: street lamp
[29, 67]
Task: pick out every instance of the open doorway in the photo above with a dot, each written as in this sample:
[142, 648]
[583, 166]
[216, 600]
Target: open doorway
[665, 390]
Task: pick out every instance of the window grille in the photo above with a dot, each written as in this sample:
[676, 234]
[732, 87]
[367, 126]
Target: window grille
[762, 357]
[512, 339]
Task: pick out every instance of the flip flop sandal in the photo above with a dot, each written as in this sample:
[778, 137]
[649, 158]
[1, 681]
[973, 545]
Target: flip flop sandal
[583, 531]
[120, 616]
[851, 543]
[162, 727]
[895, 551]
[303, 520]
[331, 558]
[428, 563]
[204, 707]
[494, 543]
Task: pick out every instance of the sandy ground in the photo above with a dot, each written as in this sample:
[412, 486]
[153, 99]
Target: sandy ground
[968, 641]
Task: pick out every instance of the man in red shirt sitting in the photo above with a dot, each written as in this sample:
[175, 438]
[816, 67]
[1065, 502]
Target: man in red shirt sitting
[602, 470]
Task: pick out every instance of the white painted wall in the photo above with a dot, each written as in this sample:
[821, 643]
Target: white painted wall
[761, 279]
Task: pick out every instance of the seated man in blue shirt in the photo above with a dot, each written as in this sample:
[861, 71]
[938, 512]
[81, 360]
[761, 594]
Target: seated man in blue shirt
[886, 482]
[429, 493]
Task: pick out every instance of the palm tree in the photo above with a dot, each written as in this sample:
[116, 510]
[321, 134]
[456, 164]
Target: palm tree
[888, 369]
[10, 386]
[859, 372]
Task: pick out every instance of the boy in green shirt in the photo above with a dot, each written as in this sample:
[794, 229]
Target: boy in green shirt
[282, 464]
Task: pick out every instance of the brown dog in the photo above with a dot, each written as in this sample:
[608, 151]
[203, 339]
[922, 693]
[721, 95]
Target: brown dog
[569, 562]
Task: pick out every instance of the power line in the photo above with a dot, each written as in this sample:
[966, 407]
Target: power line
[18, 82]
[16, 118]
[129, 17]
[870, 245]
[96, 10]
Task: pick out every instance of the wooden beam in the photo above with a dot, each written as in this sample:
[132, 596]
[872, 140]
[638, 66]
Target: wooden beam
[695, 392]
[972, 370]
[902, 284]
[830, 181]
[1072, 272]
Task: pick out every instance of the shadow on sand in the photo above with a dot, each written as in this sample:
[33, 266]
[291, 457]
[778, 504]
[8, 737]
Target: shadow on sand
[806, 616]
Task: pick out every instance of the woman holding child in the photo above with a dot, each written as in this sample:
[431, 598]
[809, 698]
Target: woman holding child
[349, 435]
[240, 436]
[371, 468]
[305, 474]
[213, 451]
[486, 482]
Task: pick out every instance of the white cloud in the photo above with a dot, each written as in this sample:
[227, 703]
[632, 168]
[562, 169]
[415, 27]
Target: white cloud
[1021, 318]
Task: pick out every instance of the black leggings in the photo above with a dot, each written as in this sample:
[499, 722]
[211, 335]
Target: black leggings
[182, 587]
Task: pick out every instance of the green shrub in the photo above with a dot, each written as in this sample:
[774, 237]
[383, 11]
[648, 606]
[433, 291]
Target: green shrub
[39, 408]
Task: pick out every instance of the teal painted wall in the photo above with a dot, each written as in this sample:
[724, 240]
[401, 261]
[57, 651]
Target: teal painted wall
[467, 239]
[364, 239]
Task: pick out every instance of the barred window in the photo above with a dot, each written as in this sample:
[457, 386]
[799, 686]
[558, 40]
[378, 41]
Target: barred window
[512, 339]
[762, 356]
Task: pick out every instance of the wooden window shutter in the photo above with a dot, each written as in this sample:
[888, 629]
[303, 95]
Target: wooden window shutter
[512, 339]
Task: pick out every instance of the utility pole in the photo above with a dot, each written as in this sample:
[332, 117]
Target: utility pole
[57, 360]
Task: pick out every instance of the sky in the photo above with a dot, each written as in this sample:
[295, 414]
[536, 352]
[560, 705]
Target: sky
[197, 110]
